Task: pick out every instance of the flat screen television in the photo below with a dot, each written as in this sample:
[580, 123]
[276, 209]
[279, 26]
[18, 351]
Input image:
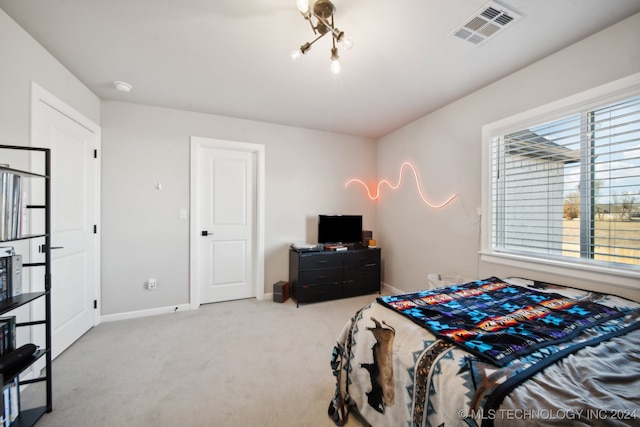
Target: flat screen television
[339, 228]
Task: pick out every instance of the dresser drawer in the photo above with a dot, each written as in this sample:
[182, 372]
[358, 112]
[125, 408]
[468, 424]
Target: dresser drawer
[317, 277]
[357, 259]
[314, 261]
[355, 288]
[313, 293]
[362, 274]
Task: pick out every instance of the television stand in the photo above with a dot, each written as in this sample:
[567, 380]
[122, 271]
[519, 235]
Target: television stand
[325, 275]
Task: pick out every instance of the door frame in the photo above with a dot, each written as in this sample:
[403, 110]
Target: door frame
[39, 94]
[258, 150]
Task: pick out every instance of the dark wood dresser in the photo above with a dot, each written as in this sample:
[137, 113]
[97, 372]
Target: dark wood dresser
[324, 275]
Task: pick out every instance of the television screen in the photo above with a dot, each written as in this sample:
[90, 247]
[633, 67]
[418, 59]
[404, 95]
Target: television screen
[339, 228]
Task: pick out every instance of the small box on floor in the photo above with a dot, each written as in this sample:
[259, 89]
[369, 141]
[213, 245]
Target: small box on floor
[280, 291]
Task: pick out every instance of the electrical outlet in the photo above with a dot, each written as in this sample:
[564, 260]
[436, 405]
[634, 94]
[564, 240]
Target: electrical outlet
[152, 284]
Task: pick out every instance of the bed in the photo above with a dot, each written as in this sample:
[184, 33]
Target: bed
[490, 352]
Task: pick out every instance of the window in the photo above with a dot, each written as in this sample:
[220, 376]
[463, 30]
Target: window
[565, 186]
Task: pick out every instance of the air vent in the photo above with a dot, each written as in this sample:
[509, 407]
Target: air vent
[490, 20]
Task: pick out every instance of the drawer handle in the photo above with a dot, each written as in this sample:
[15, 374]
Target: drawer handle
[322, 261]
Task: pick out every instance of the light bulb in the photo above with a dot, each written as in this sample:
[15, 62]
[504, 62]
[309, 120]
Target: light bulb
[303, 6]
[335, 66]
[296, 54]
[346, 43]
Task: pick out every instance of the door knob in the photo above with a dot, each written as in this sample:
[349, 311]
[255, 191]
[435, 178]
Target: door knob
[42, 248]
[205, 233]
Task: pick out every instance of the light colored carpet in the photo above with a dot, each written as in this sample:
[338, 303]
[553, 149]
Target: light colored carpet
[238, 363]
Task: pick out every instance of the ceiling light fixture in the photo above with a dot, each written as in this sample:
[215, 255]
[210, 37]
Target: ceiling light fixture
[323, 11]
[122, 86]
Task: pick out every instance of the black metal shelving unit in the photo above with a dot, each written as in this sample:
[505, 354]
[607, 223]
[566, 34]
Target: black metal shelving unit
[29, 417]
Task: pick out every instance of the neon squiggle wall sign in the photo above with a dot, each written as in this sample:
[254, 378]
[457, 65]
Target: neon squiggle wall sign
[395, 187]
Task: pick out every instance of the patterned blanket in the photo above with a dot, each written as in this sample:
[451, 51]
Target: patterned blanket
[392, 371]
[497, 321]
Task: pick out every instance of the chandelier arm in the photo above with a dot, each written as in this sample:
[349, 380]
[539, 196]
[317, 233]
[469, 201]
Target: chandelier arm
[312, 27]
[316, 39]
[339, 36]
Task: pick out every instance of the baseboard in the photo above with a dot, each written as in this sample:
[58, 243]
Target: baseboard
[144, 313]
[386, 288]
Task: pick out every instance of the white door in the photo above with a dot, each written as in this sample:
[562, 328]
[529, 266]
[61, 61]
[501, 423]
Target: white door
[74, 216]
[226, 212]
[225, 225]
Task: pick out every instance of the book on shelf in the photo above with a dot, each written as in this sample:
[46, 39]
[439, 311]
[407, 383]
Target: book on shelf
[4, 280]
[14, 274]
[3, 420]
[10, 273]
[10, 206]
[7, 334]
[4, 191]
[10, 403]
[6, 397]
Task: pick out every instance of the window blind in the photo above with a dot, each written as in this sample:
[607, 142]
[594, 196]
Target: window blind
[570, 188]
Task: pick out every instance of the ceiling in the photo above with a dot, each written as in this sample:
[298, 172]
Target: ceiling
[232, 58]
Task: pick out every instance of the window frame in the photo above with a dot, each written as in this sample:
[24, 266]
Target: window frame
[578, 268]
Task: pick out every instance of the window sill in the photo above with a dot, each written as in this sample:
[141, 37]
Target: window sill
[621, 277]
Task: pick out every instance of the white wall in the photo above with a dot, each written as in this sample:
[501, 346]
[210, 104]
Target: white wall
[143, 236]
[446, 146]
[23, 60]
